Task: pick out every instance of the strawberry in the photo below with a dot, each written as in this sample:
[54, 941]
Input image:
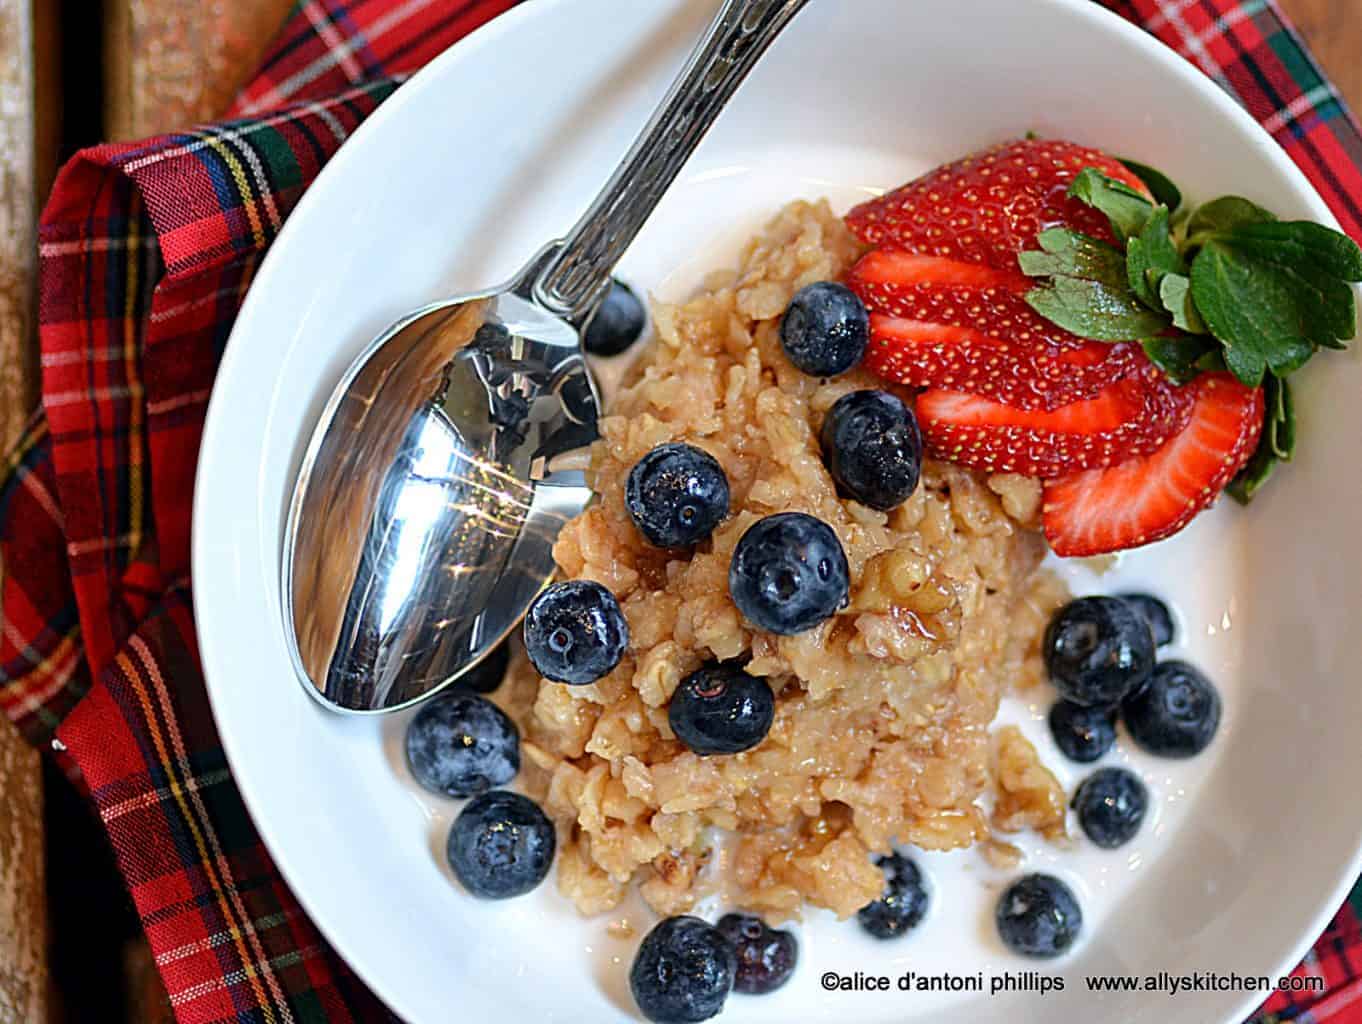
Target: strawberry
[946, 323]
[989, 207]
[1027, 377]
[1149, 497]
[1132, 416]
[947, 285]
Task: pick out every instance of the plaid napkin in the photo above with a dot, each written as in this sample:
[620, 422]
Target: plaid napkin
[146, 251]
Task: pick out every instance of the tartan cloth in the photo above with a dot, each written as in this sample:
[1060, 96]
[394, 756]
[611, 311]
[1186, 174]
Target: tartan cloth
[146, 251]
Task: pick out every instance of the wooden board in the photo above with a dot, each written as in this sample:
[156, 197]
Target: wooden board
[23, 928]
[171, 64]
[18, 357]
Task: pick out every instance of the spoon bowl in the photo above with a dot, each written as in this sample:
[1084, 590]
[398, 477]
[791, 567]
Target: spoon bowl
[452, 456]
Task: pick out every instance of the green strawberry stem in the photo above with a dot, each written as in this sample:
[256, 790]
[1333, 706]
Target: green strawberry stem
[1226, 286]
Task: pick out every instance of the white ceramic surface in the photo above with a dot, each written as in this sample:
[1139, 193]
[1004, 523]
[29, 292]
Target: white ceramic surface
[496, 147]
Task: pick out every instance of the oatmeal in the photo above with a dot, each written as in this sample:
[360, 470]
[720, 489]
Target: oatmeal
[882, 726]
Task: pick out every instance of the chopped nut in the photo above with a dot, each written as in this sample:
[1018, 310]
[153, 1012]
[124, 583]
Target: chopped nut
[1029, 795]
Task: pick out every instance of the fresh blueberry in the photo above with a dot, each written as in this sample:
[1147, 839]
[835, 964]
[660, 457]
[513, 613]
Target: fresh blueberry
[676, 495]
[1082, 734]
[766, 956]
[1098, 650]
[486, 675]
[618, 323]
[683, 971]
[873, 448]
[501, 845]
[721, 710]
[1156, 613]
[826, 329]
[1110, 804]
[575, 632]
[1176, 714]
[461, 744]
[789, 573]
[1038, 916]
[903, 904]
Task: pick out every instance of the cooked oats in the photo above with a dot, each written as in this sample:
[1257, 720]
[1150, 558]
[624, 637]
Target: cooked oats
[883, 713]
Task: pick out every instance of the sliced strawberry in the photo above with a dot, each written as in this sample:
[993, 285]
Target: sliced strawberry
[1025, 376]
[989, 207]
[1150, 497]
[1133, 416]
[947, 323]
[885, 271]
[935, 289]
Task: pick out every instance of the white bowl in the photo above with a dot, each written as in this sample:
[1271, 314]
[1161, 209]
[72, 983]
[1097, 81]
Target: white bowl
[495, 148]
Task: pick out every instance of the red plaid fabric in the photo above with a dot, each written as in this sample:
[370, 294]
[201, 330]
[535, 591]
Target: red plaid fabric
[146, 252]
[1255, 54]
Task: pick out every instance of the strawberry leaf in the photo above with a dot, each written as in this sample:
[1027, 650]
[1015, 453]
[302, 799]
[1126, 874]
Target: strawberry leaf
[1277, 444]
[1175, 293]
[1265, 302]
[1089, 289]
[1304, 242]
[1095, 310]
[1235, 290]
[1126, 208]
[1138, 270]
[1072, 254]
[1284, 422]
[1150, 257]
[1163, 190]
[1287, 355]
[1213, 361]
[1223, 215]
[1247, 363]
[1179, 356]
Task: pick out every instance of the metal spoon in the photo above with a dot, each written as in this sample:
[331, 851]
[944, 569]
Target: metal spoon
[452, 451]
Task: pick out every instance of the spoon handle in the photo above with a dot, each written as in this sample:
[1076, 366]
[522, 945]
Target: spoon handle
[573, 276]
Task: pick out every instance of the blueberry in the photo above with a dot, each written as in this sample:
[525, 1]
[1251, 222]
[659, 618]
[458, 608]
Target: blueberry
[903, 904]
[461, 744]
[683, 971]
[1176, 714]
[1154, 612]
[676, 495]
[618, 323]
[575, 632]
[789, 573]
[1038, 916]
[501, 845]
[486, 675]
[873, 448]
[1110, 804]
[721, 710]
[1098, 650]
[1082, 734]
[826, 329]
[766, 956]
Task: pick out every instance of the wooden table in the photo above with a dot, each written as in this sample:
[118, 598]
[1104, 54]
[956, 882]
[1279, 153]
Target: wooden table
[23, 928]
[169, 63]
